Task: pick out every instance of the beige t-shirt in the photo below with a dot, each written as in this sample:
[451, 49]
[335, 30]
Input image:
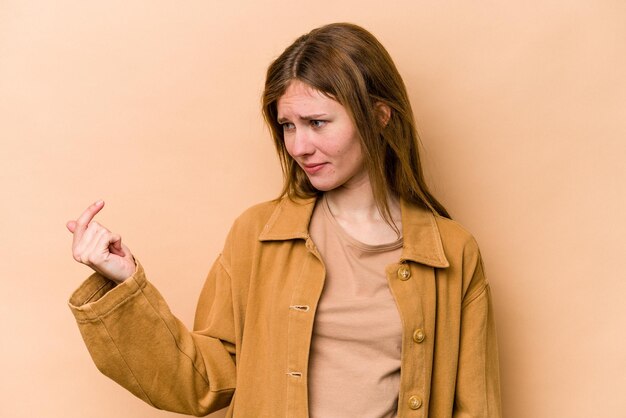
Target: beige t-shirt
[354, 366]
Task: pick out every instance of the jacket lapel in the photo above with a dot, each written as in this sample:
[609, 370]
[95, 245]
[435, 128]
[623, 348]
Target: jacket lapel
[422, 240]
[290, 220]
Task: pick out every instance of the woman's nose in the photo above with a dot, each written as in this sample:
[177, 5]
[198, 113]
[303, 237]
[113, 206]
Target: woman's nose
[301, 143]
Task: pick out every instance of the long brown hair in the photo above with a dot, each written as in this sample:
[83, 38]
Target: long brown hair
[348, 64]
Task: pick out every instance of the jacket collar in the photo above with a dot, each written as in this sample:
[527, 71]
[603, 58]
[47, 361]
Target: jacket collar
[422, 240]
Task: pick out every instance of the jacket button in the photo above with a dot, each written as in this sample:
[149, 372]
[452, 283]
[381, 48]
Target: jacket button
[415, 402]
[404, 273]
[419, 335]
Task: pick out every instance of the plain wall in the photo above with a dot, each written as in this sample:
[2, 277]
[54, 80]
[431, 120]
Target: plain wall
[153, 106]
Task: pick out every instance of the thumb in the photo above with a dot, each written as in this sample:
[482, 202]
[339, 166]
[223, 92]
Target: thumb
[115, 245]
[71, 226]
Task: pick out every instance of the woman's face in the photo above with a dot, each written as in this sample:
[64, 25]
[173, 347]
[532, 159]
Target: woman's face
[321, 138]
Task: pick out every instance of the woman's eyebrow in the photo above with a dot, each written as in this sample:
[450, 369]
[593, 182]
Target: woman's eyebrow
[304, 117]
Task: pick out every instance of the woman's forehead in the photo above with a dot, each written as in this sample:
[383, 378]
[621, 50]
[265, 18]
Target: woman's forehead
[301, 99]
[301, 88]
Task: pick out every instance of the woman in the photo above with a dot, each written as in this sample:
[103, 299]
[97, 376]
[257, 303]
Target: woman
[352, 295]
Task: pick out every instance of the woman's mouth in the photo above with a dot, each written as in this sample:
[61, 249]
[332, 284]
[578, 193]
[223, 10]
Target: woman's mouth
[312, 168]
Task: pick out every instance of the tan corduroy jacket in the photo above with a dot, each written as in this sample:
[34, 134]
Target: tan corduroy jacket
[250, 345]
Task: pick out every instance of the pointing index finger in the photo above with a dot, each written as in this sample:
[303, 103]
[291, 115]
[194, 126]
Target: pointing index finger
[83, 220]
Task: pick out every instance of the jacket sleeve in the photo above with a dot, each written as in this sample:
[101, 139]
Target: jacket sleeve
[135, 340]
[477, 393]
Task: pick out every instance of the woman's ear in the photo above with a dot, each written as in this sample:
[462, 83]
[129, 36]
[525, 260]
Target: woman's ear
[384, 113]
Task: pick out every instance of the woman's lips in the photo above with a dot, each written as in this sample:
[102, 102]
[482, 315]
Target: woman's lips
[312, 168]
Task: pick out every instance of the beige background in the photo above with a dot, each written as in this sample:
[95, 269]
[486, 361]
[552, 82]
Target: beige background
[154, 107]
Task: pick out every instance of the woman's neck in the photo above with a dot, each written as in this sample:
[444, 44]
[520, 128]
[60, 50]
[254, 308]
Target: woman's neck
[355, 209]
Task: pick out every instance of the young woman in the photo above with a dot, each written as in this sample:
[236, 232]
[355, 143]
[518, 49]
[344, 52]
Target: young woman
[352, 295]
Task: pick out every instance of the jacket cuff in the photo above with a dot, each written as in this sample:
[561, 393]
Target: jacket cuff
[98, 295]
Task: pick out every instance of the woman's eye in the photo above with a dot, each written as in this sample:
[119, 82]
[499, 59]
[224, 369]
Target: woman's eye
[318, 123]
[287, 126]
